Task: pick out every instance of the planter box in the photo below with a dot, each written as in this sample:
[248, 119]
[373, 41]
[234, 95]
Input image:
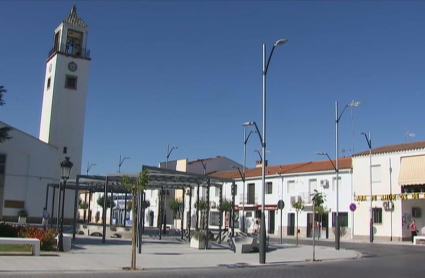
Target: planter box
[22, 220]
[194, 243]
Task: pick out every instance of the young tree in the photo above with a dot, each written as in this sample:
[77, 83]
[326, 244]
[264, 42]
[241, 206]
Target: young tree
[174, 205]
[226, 205]
[4, 131]
[136, 186]
[298, 206]
[109, 202]
[202, 208]
[318, 200]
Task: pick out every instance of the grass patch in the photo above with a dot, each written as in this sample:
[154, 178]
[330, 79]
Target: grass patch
[14, 248]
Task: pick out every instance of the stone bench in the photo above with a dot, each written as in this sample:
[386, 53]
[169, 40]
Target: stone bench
[417, 239]
[34, 242]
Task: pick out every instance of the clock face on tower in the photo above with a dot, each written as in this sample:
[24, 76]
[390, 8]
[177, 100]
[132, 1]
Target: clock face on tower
[72, 66]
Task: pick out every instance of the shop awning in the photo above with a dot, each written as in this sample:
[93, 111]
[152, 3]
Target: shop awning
[412, 170]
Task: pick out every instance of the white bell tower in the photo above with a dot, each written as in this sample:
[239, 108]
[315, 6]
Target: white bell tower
[65, 90]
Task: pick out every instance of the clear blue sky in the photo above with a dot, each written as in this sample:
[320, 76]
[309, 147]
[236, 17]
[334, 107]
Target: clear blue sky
[188, 74]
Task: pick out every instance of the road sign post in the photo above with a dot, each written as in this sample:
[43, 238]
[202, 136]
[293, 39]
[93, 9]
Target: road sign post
[281, 205]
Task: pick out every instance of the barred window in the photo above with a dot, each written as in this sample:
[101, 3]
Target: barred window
[377, 215]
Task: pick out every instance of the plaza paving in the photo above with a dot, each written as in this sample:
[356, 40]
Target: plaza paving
[89, 254]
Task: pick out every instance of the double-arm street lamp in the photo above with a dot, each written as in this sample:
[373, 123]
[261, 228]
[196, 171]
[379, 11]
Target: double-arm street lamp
[121, 162]
[337, 118]
[66, 167]
[266, 63]
[369, 143]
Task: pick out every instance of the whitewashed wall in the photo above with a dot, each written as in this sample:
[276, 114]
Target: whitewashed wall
[394, 223]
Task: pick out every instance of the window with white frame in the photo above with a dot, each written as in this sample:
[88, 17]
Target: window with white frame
[291, 186]
[269, 187]
[312, 185]
[217, 191]
[334, 183]
[376, 173]
[215, 218]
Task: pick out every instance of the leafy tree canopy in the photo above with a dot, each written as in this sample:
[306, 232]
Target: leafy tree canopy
[298, 205]
[226, 205]
[175, 204]
[202, 204]
[109, 201]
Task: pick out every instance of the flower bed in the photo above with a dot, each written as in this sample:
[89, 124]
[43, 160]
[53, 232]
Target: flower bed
[47, 238]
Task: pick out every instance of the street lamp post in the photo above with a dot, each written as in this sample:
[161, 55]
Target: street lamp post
[259, 154]
[336, 182]
[168, 154]
[89, 167]
[337, 118]
[369, 143]
[164, 220]
[121, 162]
[351, 105]
[266, 64]
[245, 138]
[66, 167]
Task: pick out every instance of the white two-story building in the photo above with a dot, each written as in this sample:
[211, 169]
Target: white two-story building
[290, 183]
[391, 182]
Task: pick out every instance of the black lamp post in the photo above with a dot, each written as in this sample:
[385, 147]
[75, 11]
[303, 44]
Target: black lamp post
[66, 167]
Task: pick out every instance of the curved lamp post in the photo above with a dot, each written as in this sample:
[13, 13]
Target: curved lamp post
[121, 162]
[266, 64]
[369, 143]
[89, 167]
[168, 154]
[245, 138]
[166, 192]
[66, 167]
[337, 118]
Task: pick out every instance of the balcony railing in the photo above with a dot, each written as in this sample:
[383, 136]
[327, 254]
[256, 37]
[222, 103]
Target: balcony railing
[248, 201]
[71, 50]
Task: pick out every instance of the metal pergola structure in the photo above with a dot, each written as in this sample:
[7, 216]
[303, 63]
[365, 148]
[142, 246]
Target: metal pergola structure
[159, 179]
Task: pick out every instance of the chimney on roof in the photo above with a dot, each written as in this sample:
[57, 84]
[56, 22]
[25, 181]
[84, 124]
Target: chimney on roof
[259, 163]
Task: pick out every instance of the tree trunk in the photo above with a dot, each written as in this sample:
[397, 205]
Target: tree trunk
[133, 234]
[297, 229]
[314, 233]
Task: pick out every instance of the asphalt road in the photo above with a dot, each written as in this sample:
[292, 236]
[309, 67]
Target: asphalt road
[378, 260]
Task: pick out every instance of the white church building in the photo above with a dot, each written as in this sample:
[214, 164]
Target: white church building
[27, 163]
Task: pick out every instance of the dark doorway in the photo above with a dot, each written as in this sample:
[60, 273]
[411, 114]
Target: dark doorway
[323, 220]
[271, 221]
[290, 230]
[251, 194]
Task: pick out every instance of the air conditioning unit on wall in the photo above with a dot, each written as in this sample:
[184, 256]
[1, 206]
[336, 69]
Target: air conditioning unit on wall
[388, 205]
[324, 183]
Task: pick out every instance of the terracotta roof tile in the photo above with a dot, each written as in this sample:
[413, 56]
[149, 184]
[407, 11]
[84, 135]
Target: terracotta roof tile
[303, 167]
[395, 148]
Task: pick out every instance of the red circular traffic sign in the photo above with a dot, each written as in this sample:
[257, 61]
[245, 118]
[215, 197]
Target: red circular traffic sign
[353, 206]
